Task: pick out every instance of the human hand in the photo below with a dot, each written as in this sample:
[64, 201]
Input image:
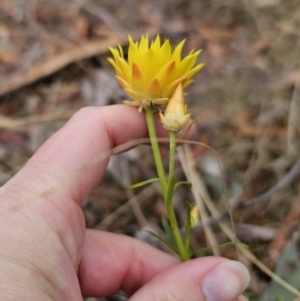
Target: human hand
[46, 253]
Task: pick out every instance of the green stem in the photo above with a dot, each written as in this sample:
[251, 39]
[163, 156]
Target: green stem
[182, 251]
[167, 187]
[172, 154]
[156, 152]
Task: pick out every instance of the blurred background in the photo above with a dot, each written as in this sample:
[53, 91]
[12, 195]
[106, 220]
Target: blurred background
[53, 61]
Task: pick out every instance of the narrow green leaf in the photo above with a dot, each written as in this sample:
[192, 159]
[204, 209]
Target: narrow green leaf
[169, 231]
[142, 183]
[171, 185]
[182, 183]
[221, 246]
[170, 190]
[162, 240]
[188, 226]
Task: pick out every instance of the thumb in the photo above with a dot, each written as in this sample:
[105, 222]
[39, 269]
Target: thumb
[205, 279]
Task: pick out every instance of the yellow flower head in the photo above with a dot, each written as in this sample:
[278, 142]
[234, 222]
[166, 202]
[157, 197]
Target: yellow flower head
[175, 116]
[153, 72]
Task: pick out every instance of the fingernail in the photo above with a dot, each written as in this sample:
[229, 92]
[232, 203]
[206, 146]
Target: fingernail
[226, 281]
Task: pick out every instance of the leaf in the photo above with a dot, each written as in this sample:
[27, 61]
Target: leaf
[171, 185]
[162, 240]
[188, 226]
[142, 183]
[169, 231]
[169, 205]
[182, 183]
[230, 243]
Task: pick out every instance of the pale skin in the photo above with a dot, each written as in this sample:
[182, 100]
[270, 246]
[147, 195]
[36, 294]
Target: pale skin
[46, 253]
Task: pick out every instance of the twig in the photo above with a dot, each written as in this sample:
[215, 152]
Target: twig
[140, 197]
[288, 179]
[293, 122]
[75, 54]
[9, 123]
[230, 234]
[291, 219]
[133, 200]
[108, 18]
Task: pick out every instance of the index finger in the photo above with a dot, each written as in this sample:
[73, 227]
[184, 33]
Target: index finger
[90, 132]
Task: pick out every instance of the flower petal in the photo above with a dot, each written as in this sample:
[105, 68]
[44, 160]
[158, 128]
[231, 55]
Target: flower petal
[133, 94]
[187, 83]
[161, 101]
[114, 52]
[193, 71]
[125, 69]
[162, 118]
[123, 83]
[132, 103]
[138, 78]
[143, 47]
[185, 119]
[155, 46]
[164, 76]
[169, 90]
[186, 64]
[154, 89]
[121, 51]
[149, 64]
[164, 54]
[118, 70]
[133, 52]
[176, 55]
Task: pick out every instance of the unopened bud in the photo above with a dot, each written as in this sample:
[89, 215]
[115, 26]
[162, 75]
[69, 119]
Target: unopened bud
[175, 116]
[195, 216]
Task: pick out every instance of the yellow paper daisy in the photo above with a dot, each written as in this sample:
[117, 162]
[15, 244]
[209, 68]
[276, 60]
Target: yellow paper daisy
[153, 72]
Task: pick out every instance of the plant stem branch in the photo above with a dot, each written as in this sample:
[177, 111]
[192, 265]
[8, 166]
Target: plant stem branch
[167, 187]
[156, 151]
[182, 251]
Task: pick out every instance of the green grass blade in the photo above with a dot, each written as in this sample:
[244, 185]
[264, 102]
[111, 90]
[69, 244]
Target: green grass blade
[142, 183]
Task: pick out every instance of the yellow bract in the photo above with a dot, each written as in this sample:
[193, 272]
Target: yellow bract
[175, 116]
[195, 216]
[153, 72]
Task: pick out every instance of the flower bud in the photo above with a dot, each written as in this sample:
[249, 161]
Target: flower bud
[175, 116]
[195, 216]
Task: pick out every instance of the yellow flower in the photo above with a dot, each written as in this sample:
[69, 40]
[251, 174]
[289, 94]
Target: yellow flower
[175, 116]
[152, 73]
